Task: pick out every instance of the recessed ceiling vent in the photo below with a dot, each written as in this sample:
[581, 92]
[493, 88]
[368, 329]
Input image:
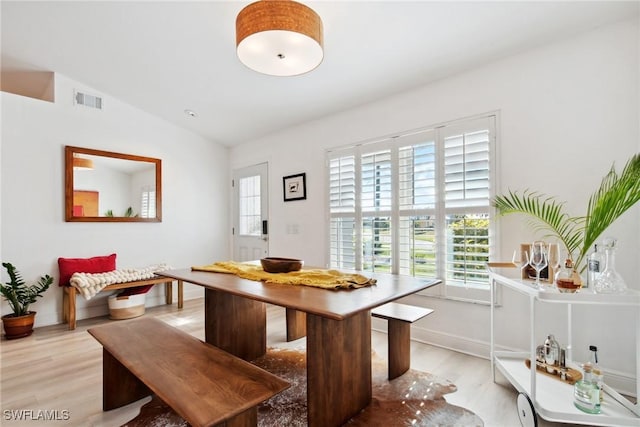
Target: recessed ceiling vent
[91, 101]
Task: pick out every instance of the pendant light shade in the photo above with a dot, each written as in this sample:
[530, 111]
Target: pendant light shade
[279, 38]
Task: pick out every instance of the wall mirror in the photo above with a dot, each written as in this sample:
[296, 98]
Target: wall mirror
[102, 186]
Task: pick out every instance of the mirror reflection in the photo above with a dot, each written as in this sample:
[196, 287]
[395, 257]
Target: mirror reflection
[107, 186]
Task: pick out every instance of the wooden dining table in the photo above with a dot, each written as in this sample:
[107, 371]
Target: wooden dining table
[338, 331]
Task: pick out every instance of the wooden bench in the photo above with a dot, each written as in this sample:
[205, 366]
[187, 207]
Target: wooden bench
[69, 295]
[399, 317]
[203, 384]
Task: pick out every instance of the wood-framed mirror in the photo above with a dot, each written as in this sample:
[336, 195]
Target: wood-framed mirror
[103, 186]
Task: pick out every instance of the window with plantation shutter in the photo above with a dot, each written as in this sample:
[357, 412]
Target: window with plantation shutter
[466, 151]
[342, 203]
[417, 204]
[148, 203]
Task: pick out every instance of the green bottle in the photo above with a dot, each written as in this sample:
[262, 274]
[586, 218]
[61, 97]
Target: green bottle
[586, 393]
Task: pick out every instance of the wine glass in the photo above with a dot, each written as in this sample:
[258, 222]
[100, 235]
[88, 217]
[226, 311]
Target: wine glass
[554, 261]
[520, 258]
[538, 259]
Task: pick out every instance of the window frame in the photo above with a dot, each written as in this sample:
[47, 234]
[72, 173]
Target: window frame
[468, 292]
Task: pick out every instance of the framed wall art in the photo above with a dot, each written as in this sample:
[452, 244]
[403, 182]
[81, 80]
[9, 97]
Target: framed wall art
[295, 187]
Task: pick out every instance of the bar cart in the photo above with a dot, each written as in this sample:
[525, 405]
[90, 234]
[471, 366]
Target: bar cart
[541, 395]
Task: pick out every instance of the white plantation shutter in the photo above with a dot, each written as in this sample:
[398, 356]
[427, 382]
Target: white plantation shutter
[342, 205]
[342, 243]
[376, 244]
[467, 194]
[417, 246]
[376, 182]
[147, 203]
[417, 204]
[342, 184]
[417, 176]
[375, 198]
[466, 169]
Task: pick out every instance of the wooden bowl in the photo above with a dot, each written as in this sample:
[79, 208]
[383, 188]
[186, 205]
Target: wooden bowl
[280, 265]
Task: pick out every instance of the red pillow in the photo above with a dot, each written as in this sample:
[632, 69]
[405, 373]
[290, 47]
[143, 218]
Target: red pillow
[97, 264]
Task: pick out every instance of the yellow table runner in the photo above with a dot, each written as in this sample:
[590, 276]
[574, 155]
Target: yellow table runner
[320, 278]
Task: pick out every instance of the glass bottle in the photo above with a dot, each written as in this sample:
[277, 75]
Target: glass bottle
[586, 394]
[564, 279]
[551, 353]
[610, 280]
[595, 265]
[596, 372]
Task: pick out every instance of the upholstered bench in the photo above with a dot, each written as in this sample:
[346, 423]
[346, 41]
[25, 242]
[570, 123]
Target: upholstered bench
[203, 384]
[399, 317]
[69, 295]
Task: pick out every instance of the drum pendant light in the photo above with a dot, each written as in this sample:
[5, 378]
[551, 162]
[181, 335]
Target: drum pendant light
[279, 38]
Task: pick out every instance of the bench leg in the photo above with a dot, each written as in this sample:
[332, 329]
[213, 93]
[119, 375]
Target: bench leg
[69, 307]
[168, 293]
[65, 305]
[296, 324]
[248, 418]
[119, 386]
[399, 338]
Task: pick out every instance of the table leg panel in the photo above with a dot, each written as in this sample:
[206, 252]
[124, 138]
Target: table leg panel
[296, 324]
[235, 324]
[338, 368]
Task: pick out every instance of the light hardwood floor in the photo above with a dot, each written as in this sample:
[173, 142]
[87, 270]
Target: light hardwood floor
[60, 371]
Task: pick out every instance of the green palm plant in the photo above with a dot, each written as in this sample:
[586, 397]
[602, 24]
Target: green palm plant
[616, 194]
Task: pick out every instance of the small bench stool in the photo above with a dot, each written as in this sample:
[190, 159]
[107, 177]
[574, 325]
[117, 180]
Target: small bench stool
[203, 384]
[399, 317]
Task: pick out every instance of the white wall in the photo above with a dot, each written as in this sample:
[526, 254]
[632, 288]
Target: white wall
[194, 227]
[568, 111]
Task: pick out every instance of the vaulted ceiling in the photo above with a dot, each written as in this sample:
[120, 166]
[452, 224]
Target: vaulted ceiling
[164, 57]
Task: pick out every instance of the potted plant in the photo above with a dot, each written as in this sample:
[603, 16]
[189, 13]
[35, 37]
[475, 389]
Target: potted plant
[20, 295]
[616, 194]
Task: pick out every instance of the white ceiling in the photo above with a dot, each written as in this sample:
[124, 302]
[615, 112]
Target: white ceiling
[164, 57]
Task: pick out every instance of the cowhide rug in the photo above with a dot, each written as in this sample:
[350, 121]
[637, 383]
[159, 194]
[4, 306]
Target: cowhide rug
[413, 399]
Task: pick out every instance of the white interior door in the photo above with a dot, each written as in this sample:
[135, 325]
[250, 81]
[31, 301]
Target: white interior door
[251, 217]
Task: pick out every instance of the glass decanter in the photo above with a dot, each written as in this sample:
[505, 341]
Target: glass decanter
[565, 278]
[610, 280]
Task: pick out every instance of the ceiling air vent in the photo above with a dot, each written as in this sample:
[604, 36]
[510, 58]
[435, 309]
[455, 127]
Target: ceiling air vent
[91, 101]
